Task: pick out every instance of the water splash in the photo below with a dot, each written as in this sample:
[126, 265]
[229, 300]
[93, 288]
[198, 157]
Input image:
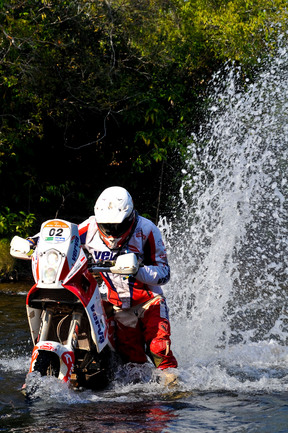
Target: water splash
[228, 248]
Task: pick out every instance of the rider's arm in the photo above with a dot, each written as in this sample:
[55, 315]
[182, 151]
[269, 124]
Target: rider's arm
[156, 270]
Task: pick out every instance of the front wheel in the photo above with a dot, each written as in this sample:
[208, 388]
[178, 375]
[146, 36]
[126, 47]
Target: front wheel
[47, 363]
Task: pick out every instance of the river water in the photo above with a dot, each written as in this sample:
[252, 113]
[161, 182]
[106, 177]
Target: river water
[227, 296]
[212, 396]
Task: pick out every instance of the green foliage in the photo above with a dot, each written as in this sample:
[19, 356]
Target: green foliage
[7, 262]
[242, 30]
[99, 93]
[15, 224]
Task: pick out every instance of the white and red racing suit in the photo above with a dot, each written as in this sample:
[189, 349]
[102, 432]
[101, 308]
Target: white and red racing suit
[140, 310]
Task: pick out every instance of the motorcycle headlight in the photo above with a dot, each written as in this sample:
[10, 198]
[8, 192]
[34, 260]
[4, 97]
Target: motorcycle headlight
[51, 266]
[52, 258]
[49, 275]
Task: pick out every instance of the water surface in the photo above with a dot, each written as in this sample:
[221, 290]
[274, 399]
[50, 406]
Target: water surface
[197, 406]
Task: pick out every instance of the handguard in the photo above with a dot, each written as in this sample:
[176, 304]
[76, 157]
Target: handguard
[20, 248]
[126, 264]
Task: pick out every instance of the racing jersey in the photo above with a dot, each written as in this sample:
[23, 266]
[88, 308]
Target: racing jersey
[146, 242]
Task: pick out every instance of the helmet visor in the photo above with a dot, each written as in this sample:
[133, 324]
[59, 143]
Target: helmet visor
[110, 229]
[115, 230]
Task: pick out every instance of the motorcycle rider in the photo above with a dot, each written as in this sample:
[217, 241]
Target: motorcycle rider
[140, 310]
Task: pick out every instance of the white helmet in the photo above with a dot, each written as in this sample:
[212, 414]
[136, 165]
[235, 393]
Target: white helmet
[115, 216]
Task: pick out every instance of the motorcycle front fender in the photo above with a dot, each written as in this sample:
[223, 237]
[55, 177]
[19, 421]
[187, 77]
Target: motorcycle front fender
[64, 353]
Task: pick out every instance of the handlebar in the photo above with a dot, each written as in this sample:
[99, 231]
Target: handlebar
[95, 268]
[126, 264]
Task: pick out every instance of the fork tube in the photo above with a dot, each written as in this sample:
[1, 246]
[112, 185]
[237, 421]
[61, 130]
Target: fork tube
[46, 321]
[74, 330]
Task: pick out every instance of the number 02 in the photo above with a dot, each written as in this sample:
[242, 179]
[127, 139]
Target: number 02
[56, 232]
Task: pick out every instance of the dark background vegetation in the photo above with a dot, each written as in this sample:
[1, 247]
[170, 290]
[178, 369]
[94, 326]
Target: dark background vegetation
[108, 92]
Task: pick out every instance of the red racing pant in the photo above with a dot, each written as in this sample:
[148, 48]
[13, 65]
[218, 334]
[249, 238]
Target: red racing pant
[145, 330]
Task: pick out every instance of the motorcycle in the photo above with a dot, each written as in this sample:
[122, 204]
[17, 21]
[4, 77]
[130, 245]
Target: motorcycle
[72, 335]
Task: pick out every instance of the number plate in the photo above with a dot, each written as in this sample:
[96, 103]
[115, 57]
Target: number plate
[55, 231]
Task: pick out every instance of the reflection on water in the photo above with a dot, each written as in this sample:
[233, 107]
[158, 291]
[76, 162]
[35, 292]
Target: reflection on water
[106, 418]
[14, 331]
